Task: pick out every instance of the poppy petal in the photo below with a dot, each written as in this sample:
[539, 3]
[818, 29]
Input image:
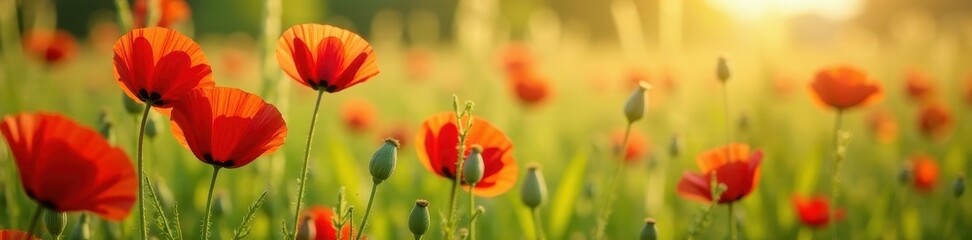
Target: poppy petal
[343, 58]
[159, 64]
[694, 187]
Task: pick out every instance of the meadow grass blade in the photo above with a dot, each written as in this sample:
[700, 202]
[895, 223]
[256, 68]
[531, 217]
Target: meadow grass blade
[568, 191]
[160, 220]
[245, 226]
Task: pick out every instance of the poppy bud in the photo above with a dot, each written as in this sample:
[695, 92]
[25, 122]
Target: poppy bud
[675, 146]
[904, 176]
[307, 229]
[150, 128]
[221, 204]
[534, 191]
[474, 167]
[131, 106]
[81, 230]
[722, 69]
[419, 220]
[958, 187]
[634, 108]
[383, 161]
[55, 222]
[105, 126]
[648, 232]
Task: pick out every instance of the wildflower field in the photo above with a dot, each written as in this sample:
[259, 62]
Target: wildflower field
[469, 119]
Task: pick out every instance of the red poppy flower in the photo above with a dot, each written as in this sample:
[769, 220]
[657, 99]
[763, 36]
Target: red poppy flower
[418, 64]
[516, 58]
[531, 89]
[66, 167]
[637, 145]
[51, 47]
[436, 146]
[325, 57]
[843, 87]
[359, 115]
[815, 211]
[739, 172]
[398, 132]
[15, 235]
[883, 126]
[160, 65]
[919, 86]
[227, 127]
[323, 219]
[170, 12]
[934, 120]
[925, 171]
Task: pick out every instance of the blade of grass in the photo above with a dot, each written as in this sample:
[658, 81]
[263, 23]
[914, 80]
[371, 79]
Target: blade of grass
[244, 229]
[568, 190]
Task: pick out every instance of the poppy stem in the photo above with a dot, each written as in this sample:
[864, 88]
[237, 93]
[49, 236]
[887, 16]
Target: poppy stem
[303, 171]
[725, 102]
[364, 221]
[472, 212]
[209, 203]
[834, 179]
[732, 223]
[141, 173]
[605, 212]
[33, 221]
[537, 226]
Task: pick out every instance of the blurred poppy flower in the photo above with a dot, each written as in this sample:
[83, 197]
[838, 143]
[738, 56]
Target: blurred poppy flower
[815, 211]
[359, 115]
[934, 120]
[436, 144]
[15, 235]
[66, 167]
[418, 64]
[227, 127]
[516, 59]
[398, 132]
[325, 57]
[323, 219]
[236, 62]
[159, 65]
[784, 85]
[171, 12]
[919, 86]
[925, 171]
[843, 87]
[531, 90]
[883, 126]
[637, 145]
[102, 36]
[737, 168]
[51, 47]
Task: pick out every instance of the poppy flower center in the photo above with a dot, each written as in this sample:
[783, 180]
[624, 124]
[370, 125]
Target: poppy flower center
[208, 158]
[153, 98]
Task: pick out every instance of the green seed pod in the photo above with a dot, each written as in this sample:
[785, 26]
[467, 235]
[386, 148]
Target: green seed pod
[722, 69]
[383, 161]
[474, 167]
[419, 220]
[150, 129]
[82, 230]
[307, 229]
[55, 222]
[131, 106]
[534, 191]
[958, 187]
[634, 108]
[648, 232]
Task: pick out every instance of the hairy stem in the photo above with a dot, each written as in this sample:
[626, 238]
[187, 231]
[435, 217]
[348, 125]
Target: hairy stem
[209, 204]
[364, 221]
[141, 172]
[301, 183]
[605, 212]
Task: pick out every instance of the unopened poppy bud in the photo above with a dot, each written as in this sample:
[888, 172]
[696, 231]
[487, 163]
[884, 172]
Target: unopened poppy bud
[722, 69]
[82, 230]
[904, 176]
[383, 161]
[419, 220]
[474, 167]
[222, 205]
[648, 232]
[131, 106]
[675, 146]
[307, 229]
[634, 108]
[958, 187]
[534, 191]
[55, 222]
[150, 129]
[105, 126]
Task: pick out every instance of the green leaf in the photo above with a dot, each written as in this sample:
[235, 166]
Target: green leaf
[244, 229]
[568, 191]
[160, 220]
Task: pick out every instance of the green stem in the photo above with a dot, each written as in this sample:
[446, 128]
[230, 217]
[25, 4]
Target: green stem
[725, 102]
[141, 173]
[834, 180]
[732, 224]
[605, 212]
[537, 226]
[33, 221]
[301, 184]
[460, 160]
[209, 204]
[124, 15]
[364, 221]
[472, 212]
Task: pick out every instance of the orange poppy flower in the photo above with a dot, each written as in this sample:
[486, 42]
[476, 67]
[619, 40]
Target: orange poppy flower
[51, 47]
[531, 89]
[325, 57]
[925, 171]
[398, 132]
[359, 115]
[919, 86]
[843, 87]
[739, 172]
[883, 126]
[436, 146]
[323, 218]
[170, 12]
[516, 58]
[227, 127]
[159, 65]
[934, 120]
[15, 235]
[418, 64]
[815, 211]
[637, 145]
[66, 167]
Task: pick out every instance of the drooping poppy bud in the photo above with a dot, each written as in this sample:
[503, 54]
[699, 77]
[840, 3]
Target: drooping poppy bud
[307, 229]
[722, 69]
[649, 232]
[534, 191]
[150, 129]
[634, 108]
[55, 222]
[958, 187]
[383, 161]
[474, 167]
[419, 220]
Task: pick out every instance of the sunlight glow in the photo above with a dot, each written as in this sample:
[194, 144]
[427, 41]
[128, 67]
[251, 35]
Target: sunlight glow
[749, 10]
